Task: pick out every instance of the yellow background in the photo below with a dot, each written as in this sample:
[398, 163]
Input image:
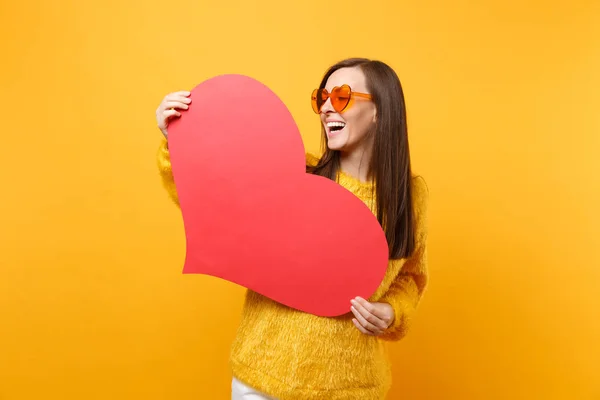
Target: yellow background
[503, 102]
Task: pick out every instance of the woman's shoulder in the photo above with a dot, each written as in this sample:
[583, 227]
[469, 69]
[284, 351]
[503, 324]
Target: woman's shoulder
[420, 194]
[419, 185]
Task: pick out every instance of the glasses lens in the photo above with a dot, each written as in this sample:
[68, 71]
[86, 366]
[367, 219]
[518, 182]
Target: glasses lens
[340, 98]
[314, 102]
[319, 97]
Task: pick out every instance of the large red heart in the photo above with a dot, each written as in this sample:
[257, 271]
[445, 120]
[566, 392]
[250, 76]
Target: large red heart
[251, 213]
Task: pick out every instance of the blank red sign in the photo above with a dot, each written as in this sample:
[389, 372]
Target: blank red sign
[253, 216]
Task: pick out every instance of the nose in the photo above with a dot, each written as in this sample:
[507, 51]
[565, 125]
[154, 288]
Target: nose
[327, 108]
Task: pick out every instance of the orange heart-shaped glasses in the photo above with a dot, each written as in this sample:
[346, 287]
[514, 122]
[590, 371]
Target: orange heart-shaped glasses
[340, 98]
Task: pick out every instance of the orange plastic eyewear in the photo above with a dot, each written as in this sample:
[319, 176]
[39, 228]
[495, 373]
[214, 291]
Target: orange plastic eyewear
[340, 98]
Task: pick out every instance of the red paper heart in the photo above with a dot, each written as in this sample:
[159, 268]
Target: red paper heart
[254, 217]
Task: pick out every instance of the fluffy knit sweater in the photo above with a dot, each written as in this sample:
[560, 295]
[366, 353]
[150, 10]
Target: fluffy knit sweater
[293, 355]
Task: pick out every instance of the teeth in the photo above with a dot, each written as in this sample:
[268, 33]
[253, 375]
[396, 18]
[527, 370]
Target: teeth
[332, 124]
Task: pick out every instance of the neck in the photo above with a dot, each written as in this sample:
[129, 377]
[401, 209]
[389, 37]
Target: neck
[356, 163]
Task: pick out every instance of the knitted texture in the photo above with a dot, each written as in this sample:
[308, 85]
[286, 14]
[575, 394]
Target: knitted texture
[293, 355]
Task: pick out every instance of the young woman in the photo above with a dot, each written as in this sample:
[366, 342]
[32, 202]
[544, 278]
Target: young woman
[281, 353]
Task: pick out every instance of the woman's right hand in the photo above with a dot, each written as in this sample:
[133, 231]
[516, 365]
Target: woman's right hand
[167, 109]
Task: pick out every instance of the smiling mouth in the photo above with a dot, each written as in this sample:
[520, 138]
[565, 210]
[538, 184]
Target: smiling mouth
[335, 127]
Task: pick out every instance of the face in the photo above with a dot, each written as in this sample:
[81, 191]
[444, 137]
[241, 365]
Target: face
[348, 130]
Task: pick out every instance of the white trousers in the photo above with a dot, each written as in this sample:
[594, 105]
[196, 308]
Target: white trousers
[240, 391]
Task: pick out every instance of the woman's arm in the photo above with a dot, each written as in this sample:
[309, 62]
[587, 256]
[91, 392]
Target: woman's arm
[166, 173]
[406, 291]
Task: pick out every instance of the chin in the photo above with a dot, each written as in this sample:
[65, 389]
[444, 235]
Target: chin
[334, 145]
[337, 143]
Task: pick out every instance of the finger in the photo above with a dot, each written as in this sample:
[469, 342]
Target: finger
[181, 99]
[360, 328]
[363, 321]
[366, 311]
[181, 94]
[167, 114]
[175, 104]
[374, 314]
[184, 93]
[178, 96]
[370, 307]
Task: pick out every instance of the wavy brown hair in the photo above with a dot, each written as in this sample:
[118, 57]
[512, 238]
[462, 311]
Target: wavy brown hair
[390, 166]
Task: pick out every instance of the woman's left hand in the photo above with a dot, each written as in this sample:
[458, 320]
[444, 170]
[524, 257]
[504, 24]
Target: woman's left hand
[371, 318]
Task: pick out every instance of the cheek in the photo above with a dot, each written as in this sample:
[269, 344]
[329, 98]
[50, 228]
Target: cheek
[362, 124]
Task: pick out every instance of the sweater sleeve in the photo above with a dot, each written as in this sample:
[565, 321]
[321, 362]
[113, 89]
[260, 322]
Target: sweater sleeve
[311, 159]
[406, 291]
[165, 171]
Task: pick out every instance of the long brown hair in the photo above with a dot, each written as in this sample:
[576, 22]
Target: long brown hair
[390, 162]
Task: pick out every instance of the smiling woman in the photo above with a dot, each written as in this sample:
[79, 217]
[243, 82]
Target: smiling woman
[285, 354]
[503, 103]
